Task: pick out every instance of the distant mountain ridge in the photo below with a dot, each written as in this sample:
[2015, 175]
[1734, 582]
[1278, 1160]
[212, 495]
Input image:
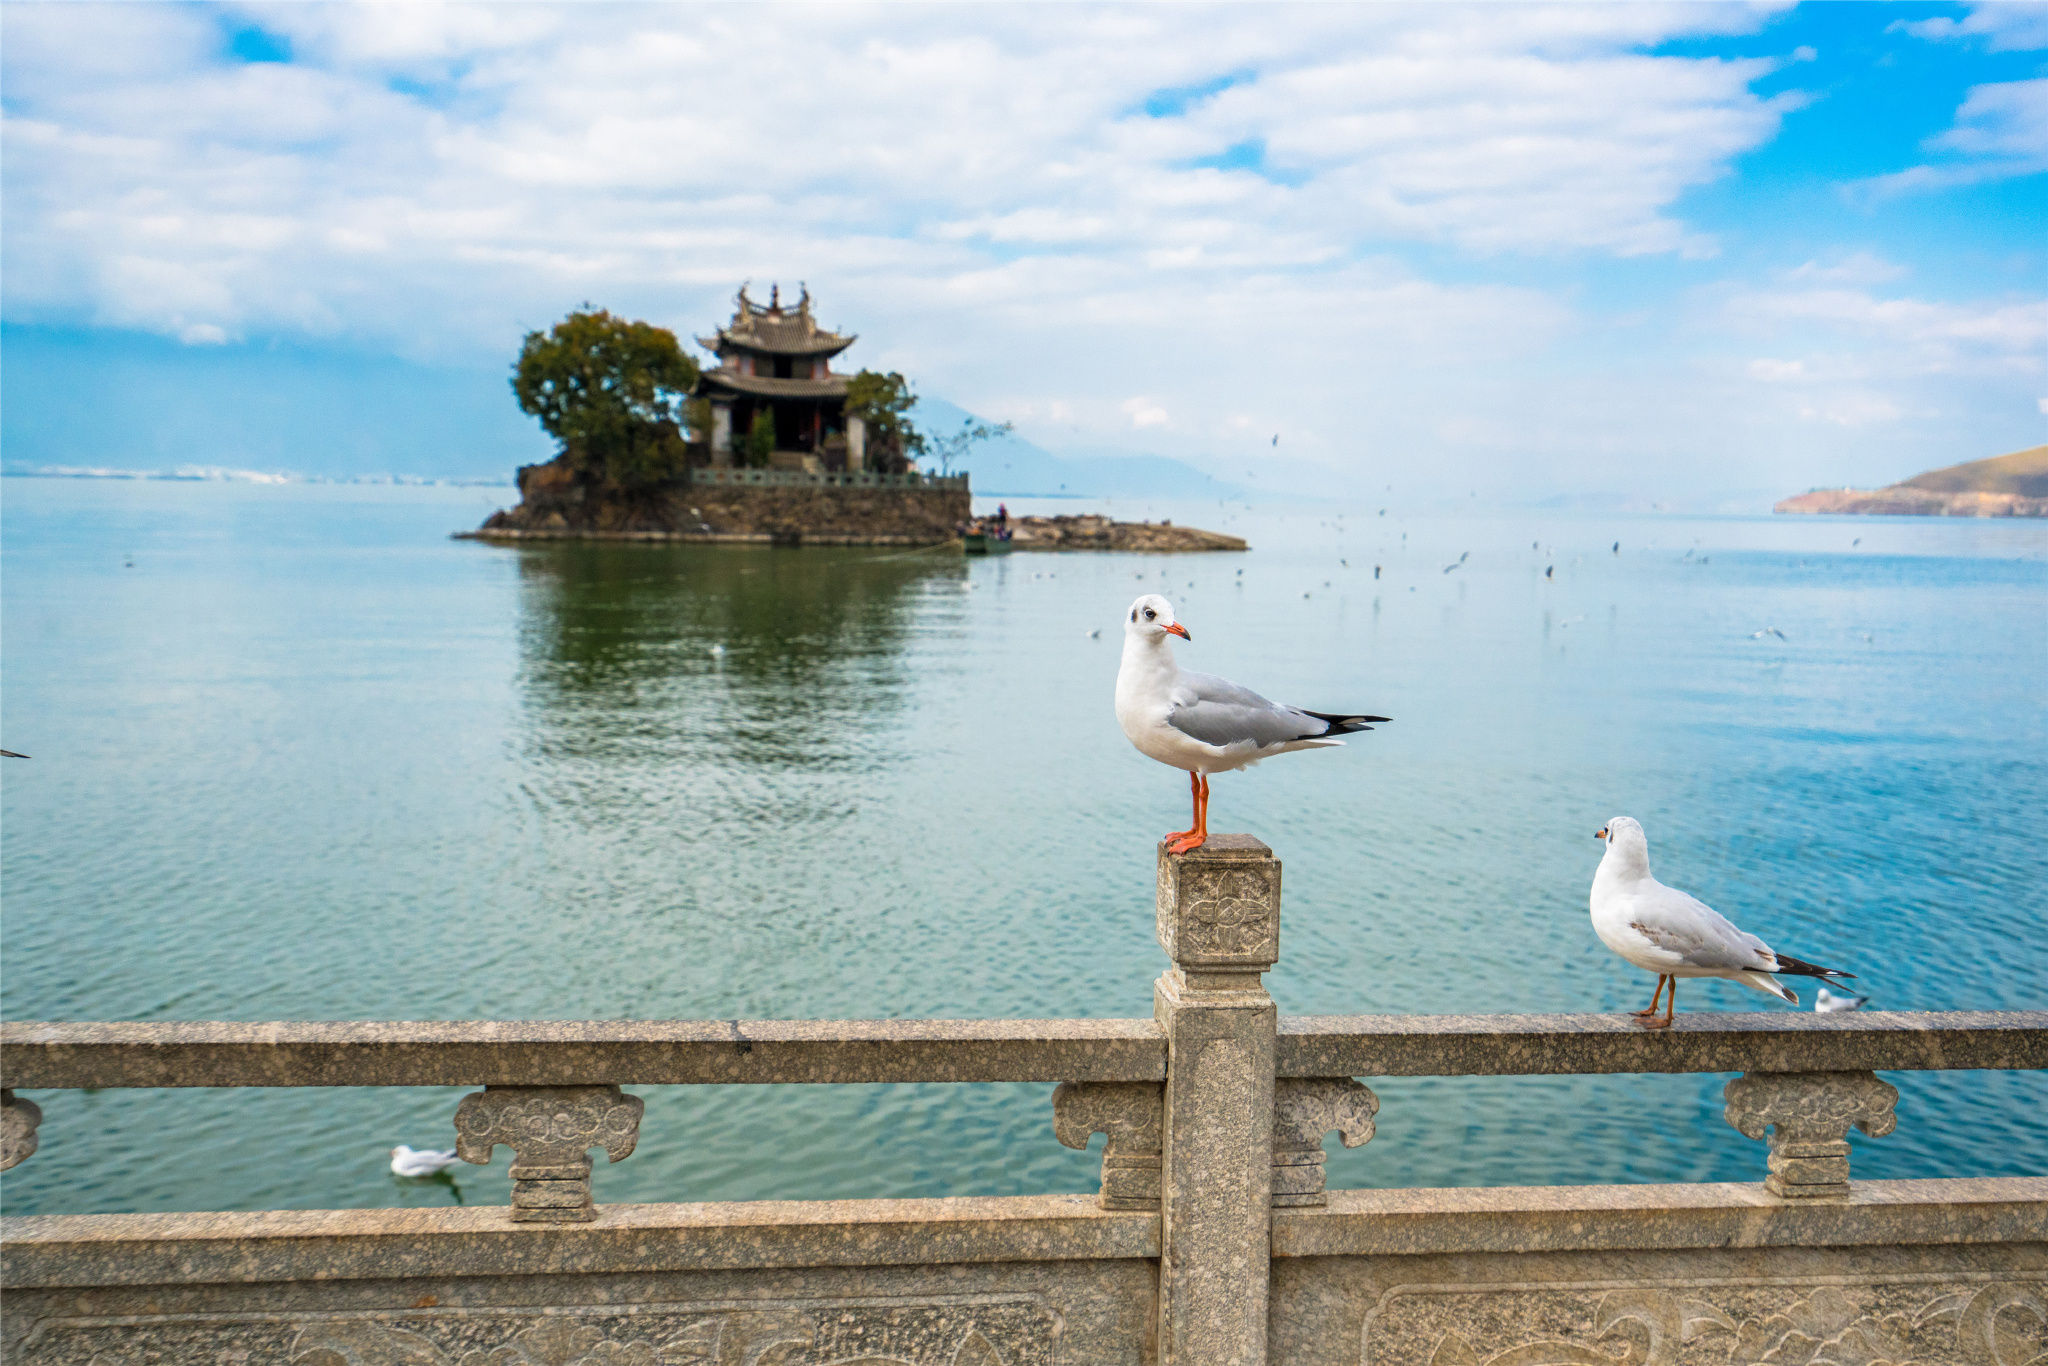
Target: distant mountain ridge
[2014, 485]
[1010, 466]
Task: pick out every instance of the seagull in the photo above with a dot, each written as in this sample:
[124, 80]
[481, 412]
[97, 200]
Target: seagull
[421, 1161]
[1767, 631]
[1200, 722]
[1662, 930]
[1825, 1002]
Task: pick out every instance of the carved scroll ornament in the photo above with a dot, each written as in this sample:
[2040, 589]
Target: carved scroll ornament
[550, 1130]
[1305, 1109]
[18, 1121]
[1132, 1115]
[1808, 1116]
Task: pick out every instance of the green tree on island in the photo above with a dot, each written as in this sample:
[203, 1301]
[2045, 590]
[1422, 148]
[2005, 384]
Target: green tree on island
[760, 443]
[611, 391]
[884, 402]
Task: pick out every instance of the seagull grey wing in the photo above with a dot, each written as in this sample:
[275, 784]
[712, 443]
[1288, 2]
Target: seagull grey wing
[1700, 935]
[1218, 712]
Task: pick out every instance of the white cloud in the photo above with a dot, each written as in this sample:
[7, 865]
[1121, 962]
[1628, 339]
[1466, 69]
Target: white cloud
[1144, 413]
[2007, 25]
[1999, 131]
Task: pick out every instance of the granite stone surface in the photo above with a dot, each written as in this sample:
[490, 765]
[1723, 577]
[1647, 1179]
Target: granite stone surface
[576, 1053]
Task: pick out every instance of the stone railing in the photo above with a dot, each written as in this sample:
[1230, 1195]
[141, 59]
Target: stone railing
[740, 477]
[1212, 1238]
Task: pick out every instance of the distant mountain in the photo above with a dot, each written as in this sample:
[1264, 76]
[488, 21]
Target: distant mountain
[1010, 466]
[2013, 485]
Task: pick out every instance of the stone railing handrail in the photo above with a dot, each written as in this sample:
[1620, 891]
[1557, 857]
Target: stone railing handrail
[36, 1055]
[575, 1053]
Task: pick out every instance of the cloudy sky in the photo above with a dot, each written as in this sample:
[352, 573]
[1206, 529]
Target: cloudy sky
[1672, 250]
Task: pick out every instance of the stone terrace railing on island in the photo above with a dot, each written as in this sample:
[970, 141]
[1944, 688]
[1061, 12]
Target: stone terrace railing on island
[722, 476]
[1211, 1240]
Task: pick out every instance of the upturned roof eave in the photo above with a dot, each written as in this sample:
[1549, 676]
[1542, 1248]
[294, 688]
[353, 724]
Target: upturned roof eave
[826, 344]
[763, 386]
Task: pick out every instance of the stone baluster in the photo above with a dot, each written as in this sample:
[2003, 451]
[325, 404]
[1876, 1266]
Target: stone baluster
[18, 1120]
[1808, 1115]
[1131, 1114]
[1219, 920]
[1304, 1109]
[550, 1130]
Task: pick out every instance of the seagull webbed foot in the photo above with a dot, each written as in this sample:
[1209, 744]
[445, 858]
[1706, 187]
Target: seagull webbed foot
[1661, 1022]
[1191, 839]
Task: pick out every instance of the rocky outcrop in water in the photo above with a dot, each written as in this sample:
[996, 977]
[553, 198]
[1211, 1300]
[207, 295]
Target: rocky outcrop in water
[1090, 532]
[2013, 485]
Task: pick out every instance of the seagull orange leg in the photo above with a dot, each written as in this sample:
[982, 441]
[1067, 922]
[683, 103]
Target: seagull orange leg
[1199, 836]
[1670, 1004]
[1195, 813]
[1651, 1009]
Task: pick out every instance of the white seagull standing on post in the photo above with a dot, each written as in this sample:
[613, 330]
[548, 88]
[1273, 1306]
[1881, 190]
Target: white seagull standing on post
[1662, 930]
[1202, 723]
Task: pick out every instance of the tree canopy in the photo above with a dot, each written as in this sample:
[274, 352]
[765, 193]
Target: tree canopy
[610, 390]
[883, 402]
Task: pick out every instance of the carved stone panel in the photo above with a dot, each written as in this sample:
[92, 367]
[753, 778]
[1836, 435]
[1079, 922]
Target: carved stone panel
[1219, 906]
[956, 1330]
[1964, 1322]
[550, 1130]
[1132, 1115]
[1305, 1109]
[18, 1121]
[1808, 1115]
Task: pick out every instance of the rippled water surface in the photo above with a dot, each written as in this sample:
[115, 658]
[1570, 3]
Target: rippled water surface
[297, 755]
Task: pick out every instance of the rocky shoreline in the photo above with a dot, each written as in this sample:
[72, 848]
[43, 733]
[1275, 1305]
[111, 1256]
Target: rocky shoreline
[1092, 532]
[1900, 500]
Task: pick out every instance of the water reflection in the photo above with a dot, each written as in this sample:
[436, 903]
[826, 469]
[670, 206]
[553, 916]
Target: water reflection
[720, 654]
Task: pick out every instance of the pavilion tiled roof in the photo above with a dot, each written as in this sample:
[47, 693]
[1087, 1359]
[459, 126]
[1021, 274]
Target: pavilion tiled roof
[775, 330]
[762, 386]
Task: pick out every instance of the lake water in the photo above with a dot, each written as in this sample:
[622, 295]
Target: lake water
[297, 755]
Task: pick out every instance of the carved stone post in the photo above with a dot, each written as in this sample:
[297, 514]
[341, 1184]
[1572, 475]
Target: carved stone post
[18, 1120]
[721, 432]
[1304, 1109]
[1130, 1113]
[1219, 920]
[550, 1130]
[1808, 1115]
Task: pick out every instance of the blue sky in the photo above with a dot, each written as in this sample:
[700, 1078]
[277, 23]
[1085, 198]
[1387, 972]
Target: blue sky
[1687, 252]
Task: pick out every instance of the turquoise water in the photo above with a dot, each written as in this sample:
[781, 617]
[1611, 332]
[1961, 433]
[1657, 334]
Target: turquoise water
[300, 756]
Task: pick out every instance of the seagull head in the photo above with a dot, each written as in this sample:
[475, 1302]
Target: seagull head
[1627, 846]
[1151, 620]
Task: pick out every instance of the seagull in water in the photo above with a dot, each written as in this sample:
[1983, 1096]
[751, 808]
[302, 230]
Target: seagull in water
[1200, 722]
[1662, 930]
[421, 1161]
[1825, 1002]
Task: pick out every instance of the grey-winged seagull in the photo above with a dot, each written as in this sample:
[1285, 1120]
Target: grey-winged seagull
[1200, 722]
[1825, 1002]
[1662, 930]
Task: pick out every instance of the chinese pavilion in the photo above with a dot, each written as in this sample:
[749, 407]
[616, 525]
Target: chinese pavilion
[779, 361]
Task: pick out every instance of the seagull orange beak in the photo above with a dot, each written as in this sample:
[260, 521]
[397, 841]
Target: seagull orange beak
[1599, 834]
[1175, 628]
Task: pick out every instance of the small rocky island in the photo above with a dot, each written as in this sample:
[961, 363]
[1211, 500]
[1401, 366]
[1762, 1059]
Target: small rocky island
[2013, 485]
[1091, 532]
[770, 445]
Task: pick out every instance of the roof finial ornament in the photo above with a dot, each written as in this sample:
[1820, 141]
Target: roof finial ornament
[745, 304]
[803, 303]
[775, 298]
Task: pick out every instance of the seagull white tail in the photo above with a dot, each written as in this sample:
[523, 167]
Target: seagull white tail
[1764, 982]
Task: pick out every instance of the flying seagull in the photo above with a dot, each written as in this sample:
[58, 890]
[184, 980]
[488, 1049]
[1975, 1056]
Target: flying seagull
[1662, 930]
[421, 1161]
[1200, 722]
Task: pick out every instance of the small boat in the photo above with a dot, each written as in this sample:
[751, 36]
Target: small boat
[985, 543]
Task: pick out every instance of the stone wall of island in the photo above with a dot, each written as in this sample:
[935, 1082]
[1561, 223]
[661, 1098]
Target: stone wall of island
[762, 506]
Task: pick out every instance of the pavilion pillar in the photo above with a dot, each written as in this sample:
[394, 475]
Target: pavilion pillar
[1219, 920]
[721, 431]
[856, 444]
